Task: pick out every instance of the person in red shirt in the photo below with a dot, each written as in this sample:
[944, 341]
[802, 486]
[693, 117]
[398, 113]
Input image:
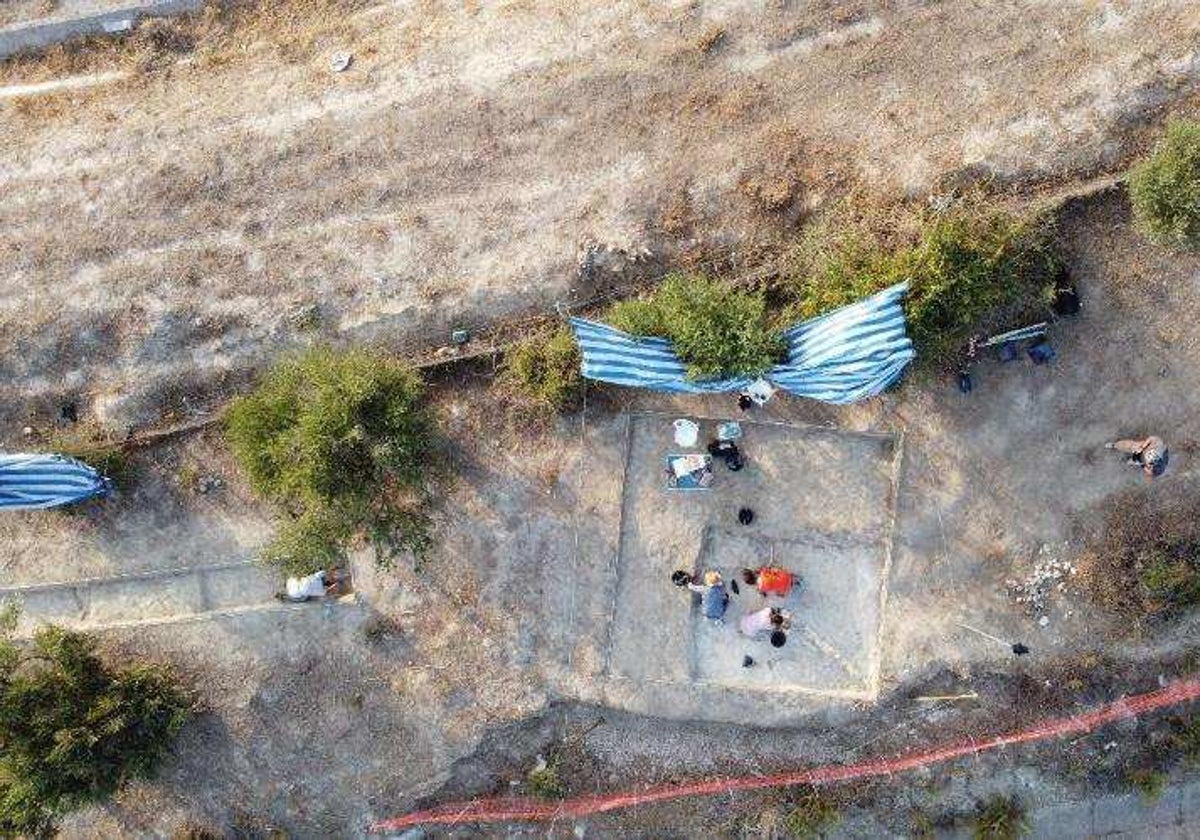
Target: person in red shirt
[770, 580]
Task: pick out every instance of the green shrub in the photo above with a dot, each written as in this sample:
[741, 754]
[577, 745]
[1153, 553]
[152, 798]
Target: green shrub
[73, 730]
[638, 316]
[810, 815]
[967, 269]
[544, 369]
[967, 272]
[836, 262]
[343, 443]
[106, 457]
[921, 826]
[1148, 783]
[544, 782]
[1171, 575]
[1000, 818]
[717, 330]
[1165, 187]
[1186, 740]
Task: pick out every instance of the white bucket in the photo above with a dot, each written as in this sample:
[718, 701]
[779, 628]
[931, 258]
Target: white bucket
[686, 432]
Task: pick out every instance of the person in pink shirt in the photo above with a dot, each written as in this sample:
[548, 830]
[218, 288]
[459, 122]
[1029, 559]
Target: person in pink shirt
[760, 621]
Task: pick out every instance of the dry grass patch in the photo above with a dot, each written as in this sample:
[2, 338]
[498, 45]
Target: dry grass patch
[223, 32]
[1145, 566]
[711, 38]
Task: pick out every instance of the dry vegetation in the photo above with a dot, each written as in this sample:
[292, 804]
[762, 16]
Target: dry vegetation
[1145, 566]
[471, 154]
[225, 32]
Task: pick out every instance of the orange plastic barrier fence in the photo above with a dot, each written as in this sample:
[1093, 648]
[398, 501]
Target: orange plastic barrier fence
[509, 809]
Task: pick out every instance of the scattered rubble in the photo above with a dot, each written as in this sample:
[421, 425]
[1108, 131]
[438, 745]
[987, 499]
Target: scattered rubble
[1051, 574]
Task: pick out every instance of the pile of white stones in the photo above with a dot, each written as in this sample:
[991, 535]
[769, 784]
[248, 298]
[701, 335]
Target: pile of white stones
[1049, 575]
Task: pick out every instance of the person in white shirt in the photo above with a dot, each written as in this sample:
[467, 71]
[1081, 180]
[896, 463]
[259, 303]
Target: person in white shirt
[303, 589]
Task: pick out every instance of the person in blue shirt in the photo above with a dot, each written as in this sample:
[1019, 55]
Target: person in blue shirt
[714, 598]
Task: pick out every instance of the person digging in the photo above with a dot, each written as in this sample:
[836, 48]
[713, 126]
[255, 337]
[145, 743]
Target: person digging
[1148, 453]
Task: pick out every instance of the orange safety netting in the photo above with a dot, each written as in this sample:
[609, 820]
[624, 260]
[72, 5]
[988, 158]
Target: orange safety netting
[509, 809]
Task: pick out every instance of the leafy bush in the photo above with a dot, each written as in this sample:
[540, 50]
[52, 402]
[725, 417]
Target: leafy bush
[72, 730]
[96, 449]
[1165, 187]
[544, 369]
[344, 444]
[638, 316]
[110, 461]
[717, 330]
[1186, 740]
[1147, 782]
[1000, 818]
[967, 271]
[1171, 575]
[544, 781]
[811, 814]
[837, 261]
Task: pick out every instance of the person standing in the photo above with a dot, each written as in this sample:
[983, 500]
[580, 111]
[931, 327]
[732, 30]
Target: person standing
[714, 599]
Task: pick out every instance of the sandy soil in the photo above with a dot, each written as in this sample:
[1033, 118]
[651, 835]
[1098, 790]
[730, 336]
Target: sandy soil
[162, 236]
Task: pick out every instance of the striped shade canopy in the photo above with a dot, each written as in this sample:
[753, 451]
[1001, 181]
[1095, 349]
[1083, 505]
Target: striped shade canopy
[37, 481]
[844, 356]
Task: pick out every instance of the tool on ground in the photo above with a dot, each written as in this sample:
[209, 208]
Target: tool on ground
[1017, 648]
[938, 698]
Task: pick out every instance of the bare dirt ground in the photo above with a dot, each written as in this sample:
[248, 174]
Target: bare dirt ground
[165, 234]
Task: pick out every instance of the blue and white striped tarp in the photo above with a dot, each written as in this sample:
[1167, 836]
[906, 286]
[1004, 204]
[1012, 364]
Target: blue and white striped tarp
[844, 356]
[36, 481]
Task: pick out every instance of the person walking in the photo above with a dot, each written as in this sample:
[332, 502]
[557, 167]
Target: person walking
[1148, 453]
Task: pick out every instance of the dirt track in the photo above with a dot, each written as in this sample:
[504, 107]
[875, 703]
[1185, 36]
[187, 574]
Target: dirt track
[163, 235]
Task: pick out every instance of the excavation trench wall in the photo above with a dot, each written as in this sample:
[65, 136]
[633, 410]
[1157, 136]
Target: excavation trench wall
[85, 18]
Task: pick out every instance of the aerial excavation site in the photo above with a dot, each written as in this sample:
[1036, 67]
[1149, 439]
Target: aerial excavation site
[684, 419]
